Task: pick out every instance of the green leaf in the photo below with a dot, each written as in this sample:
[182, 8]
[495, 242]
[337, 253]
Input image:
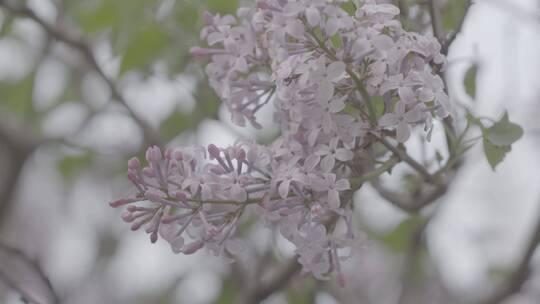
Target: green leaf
[175, 124]
[222, 6]
[105, 16]
[336, 41]
[187, 15]
[495, 154]
[453, 13]
[349, 7]
[504, 132]
[144, 48]
[398, 238]
[70, 166]
[18, 96]
[470, 81]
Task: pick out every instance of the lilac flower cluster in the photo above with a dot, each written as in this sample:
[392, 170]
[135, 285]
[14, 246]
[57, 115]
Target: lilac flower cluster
[336, 80]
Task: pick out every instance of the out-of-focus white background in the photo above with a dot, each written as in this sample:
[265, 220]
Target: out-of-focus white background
[90, 256]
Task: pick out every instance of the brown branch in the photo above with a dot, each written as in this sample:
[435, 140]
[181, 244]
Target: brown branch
[520, 275]
[410, 161]
[150, 135]
[436, 24]
[410, 262]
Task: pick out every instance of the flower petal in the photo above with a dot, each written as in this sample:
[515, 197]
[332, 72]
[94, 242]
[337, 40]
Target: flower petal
[335, 70]
[388, 119]
[403, 132]
[343, 154]
[313, 16]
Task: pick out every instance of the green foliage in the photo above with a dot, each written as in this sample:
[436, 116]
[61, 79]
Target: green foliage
[175, 124]
[144, 48]
[70, 166]
[104, 16]
[504, 132]
[498, 138]
[222, 7]
[378, 105]
[18, 96]
[470, 81]
[453, 12]
[349, 7]
[187, 15]
[400, 237]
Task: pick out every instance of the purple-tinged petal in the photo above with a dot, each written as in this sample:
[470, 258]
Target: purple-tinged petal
[403, 132]
[333, 199]
[388, 119]
[343, 154]
[335, 70]
[313, 16]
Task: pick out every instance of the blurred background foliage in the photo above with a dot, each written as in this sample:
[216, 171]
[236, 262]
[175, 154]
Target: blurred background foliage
[70, 124]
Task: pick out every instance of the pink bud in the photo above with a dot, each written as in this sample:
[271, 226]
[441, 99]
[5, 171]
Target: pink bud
[127, 217]
[137, 225]
[134, 164]
[241, 155]
[208, 18]
[153, 154]
[154, 237]
[193, 247]
[283, 211]
[262, 5]
[341, 279]
[178, 155]
[211, 230]
[180, 195]
[119, 203]
[168, 153]
[153, 195]
[167, 219]
[198, 52]
[213, 151]
[316, 209]
[148, 172]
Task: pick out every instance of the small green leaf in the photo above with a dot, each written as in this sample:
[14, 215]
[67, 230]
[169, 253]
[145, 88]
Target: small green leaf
[349, 7]
[470, 81]
[398, 238]
[336, 41]
[495, 154]
[504, 132]
[69, 166]
[143, 49]
[378, 106]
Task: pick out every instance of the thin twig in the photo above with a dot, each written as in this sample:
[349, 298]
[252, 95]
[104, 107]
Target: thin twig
[436, 24]
[410, 161]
